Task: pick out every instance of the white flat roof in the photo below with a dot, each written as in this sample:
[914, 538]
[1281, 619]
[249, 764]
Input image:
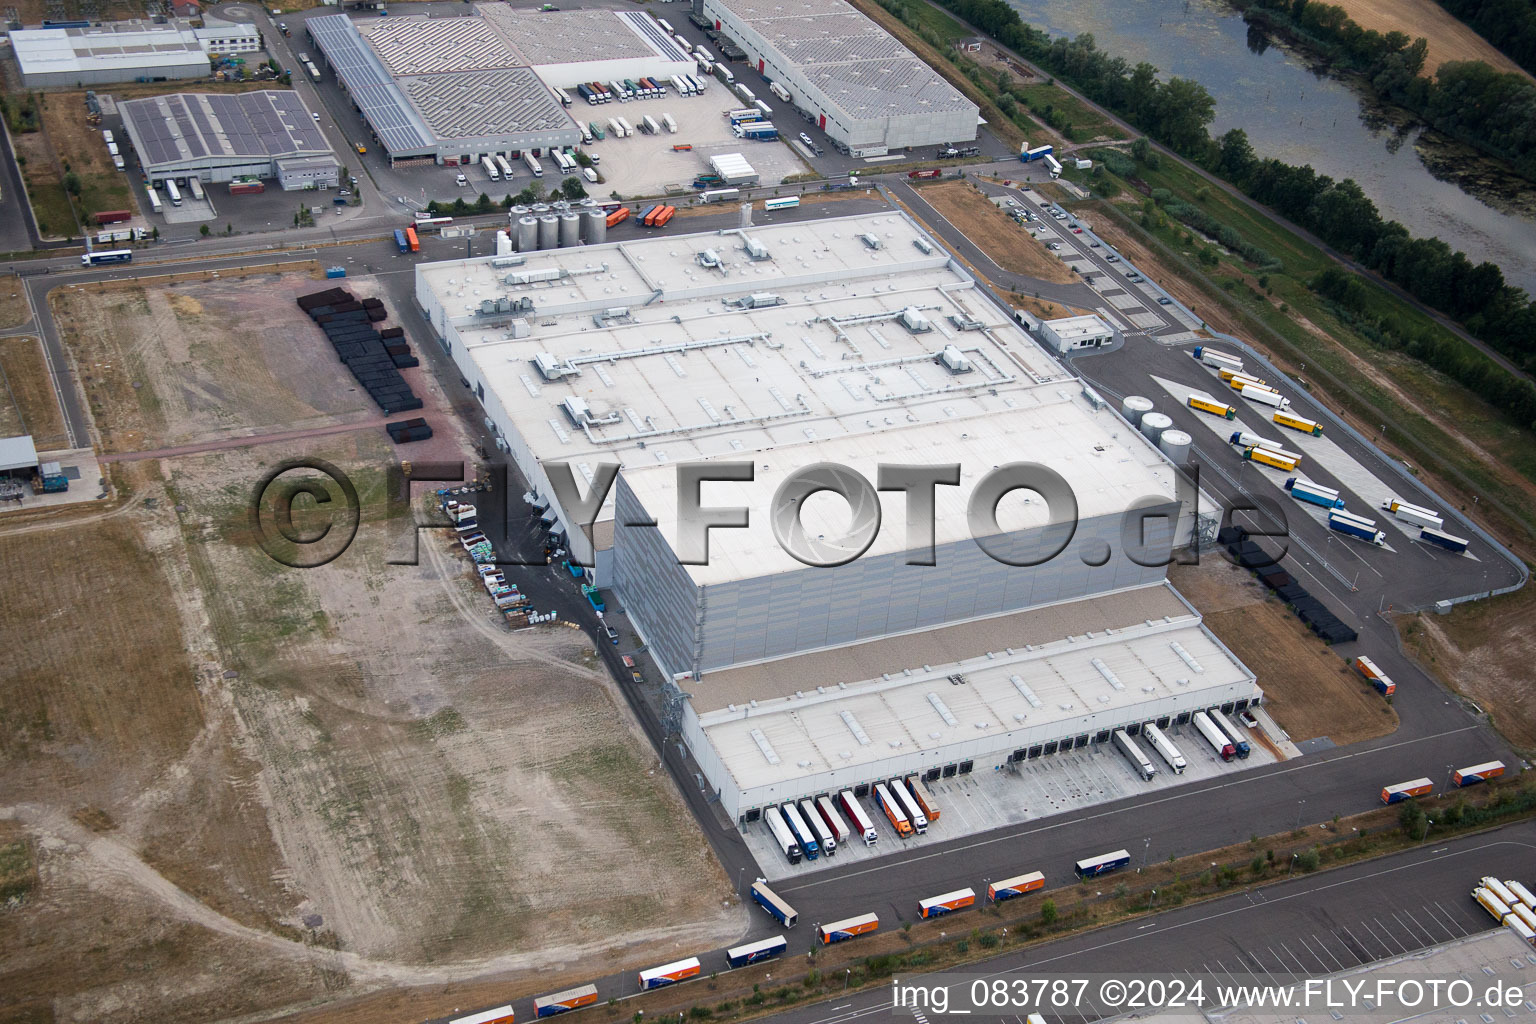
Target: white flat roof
[1073, 327]
[17, 452]
[831, 372]
[109, 46]
[1080, 683]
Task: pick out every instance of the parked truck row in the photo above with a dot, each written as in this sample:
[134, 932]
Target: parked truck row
[1510, 903]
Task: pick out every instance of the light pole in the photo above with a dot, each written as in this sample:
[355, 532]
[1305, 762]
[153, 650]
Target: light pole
[1293, 864]
[1145, 850]
[847, 973]
[1300, 804]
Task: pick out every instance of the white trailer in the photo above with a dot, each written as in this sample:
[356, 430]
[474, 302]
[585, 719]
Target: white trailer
[589, 174]
[813, 818]
[1133, 754]
[651, 125]
[781, 835]
[1500, 890]
[1526, 896]
[1231, 731]
[1413, 513]
[629, 129]
[834, 820]
[1218, 360]
[1264, 396]
[909, 804]
[671, 125]
[489, 167]
[861, 822]
[1165, 748]
[745, 93]
[1243, 439]
[1053, 165]
[154, 201]
[1214, 736]
[680, 85]
[665, 27]
[172, 191]
[779, 91]
[196, 187]
[533, 163]
[505, 165]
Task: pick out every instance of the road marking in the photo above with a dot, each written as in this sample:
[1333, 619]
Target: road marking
[1178, 795]
[1321, 962]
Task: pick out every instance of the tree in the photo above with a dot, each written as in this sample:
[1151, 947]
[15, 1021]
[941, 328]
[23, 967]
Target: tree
[573, 189]
[527, 196]
[1237, 156]
[483, 204]
[72, 184]
[204, 231]
[1048, 913]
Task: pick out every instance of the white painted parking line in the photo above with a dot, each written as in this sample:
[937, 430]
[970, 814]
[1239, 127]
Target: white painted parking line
[1324, 947]
[1387, 932]
[1364, 955]
[1293, 956]
[1415, 926]
[1459, 931]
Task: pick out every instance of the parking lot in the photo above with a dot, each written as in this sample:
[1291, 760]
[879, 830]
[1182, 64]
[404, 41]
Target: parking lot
[995, 798]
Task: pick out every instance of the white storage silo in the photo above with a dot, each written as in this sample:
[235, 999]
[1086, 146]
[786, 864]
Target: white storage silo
[1153, 424]
[595, 226]
[570, 230]
[527, 234]
[549, 231]
[1134, 408]
[503, 243]
[1175, 444]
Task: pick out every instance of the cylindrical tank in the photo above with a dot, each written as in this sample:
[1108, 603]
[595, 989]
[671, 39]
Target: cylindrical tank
[570, 230]
[595, 226]
[527, 234]
[503, 243]
[1175, 444]
[1134, 408]
[1153, 424]
[549, 231]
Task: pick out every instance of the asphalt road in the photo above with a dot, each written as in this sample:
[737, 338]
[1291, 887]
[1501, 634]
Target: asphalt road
[1312, 924]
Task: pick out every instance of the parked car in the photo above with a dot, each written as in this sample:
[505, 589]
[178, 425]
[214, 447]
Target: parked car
[1165, 301]
[1093, 245]
[1077, 231]
[1112, 259]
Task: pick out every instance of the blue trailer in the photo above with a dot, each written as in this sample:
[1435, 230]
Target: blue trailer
[1315, 494]
[759, 131]
[1440, 538]
[1038, 153]
[400, 242]
[1095, 866]
[755, 952]
[1356, 526]
[771, 902]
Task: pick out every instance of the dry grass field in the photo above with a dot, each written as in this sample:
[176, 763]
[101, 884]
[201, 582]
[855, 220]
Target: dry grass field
[28, 403]
[234, 789]
[13, 303]
[1009, 244]
[82, 151]
[1309, 689]
[1449, 39]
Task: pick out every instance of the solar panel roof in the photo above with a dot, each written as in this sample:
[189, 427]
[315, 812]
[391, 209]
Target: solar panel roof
[190, 126]
[373, 90]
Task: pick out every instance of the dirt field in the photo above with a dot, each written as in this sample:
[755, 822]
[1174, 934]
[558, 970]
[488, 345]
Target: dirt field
[45, 185]
[27, 403]
[1315, 693]
[1009, 244]
[1449, 39]
[201, 360]
[248, 788]
[13, 304]
[1485, 650]
[82, 151]
[1044, 308]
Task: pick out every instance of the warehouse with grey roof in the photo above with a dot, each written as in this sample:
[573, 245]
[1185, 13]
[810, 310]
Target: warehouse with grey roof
[454, 89]
[223, 136]
[869, 93]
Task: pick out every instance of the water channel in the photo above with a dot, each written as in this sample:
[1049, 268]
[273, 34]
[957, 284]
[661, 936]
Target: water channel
[1293, 114]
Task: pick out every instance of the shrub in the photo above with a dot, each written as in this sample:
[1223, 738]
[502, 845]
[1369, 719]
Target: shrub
[1048, 913]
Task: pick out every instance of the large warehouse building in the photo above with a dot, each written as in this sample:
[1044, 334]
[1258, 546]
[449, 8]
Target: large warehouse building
[856, 343]
[869, 93]
[454, 89]
[126, 51]
[223, 136]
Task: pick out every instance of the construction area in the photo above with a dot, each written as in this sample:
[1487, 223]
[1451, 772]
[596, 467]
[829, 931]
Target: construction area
[320, 783]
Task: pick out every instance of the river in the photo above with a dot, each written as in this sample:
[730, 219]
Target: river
[1293, 114]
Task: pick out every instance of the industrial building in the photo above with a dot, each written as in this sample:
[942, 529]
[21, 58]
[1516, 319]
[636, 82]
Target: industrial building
[454, 89]
[1069, 333]
[221, 136]
[126, 51]
[858, 343]
[869, 93]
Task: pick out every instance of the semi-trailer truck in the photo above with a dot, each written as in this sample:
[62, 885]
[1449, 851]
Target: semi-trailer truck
[1165, 748]
[1440, 538]
[824, 834]
[1205, 403]
[1477, 773]
[893, 811]
[852, 927]
[1217, 360]
[1270, 457]
[808, 843]
[1314, 494]
[788, 845]
[1377, 678]
[771, 902]
[1356, 526]
[1413, 513]
[1227, 726]
[1301, 423]
[925, 800]
[1407, 790]
[1008, 888]
[1133, 754]
[1264, 396]
[1214, 736]
[828, 812]
[914, 813]
[1030, 155]
[861, 821]
[533, 164]
[948, 903]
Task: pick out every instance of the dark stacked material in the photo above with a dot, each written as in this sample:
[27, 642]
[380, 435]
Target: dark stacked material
[1308, 609]
[406, 431]
[374, 357]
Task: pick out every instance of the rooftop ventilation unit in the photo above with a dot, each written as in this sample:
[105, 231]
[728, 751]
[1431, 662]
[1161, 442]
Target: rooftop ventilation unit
[923, 246]
[708, 258]
[915, 321]
[965, 323]
[760, 300]
[531, 276]
[551, 368]
[755, 250]
[577, 409]
[954, 360]
[872, 240]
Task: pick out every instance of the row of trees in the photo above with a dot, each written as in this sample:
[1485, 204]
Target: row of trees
[1492, 110]
[1177, 112]
[1510, 25]
[570, 189]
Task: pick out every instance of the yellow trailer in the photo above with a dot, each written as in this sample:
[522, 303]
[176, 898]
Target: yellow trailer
[1204, 403]
[1270, 457]
[1301, 423]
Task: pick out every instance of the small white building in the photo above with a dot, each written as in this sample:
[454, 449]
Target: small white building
[1069, 333]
